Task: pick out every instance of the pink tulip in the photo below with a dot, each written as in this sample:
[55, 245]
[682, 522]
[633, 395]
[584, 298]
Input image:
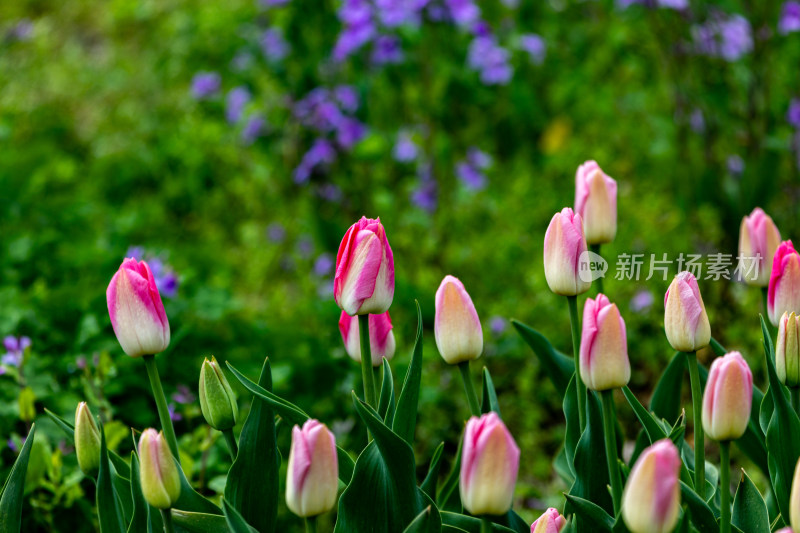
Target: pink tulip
[758, 239]
[381, 337]
[794, 499]
[604, 360]
[651, 500]
[564, 260]
[685, 318]
[787, 350]
[551, 521]
[158, 473]
[596, 203]
[136, 311]
[364, 282]
[728, 398]
[784, 283]
[457, 328]
[312, 478]
[489, 466]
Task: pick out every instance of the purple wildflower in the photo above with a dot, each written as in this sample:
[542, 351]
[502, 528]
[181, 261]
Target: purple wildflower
[470, 176]
[237, 99]
[205, 85]
[497, 325]
[535, 47]
[276, 233]
[274, 3]
[305, 246]
[21, 31]
[347, 96]
[273, 45]
[793, 114]
[394, 13]
[491, 60]
[136, 252]
[321, 152]
[174, 415]
[242, 61]
[183, 395]
[386, 50]
[790, 17]
[349, 132]
[735, 164]
[424, 195]
[405, 150]
[166, 279]
[463, 12]
[478, 158]
[12, 445]
[697, 121]
[330, 192]
[253, 129]
[323, 264]
[678, 5]
[15, 350]
[729, 38]
[359, 28]
[642, 301]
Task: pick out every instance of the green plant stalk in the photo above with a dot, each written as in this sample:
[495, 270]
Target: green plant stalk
[795, 391]
[725, 487]
[230, 440]
[166, 517]
[377, 378]
[595, 248]
[580, 388]
[472, 398]
[311, 524]
[765, 299]
[486, 525]
[610, 435]
[699, 438]
[161, 405]
[366, 361]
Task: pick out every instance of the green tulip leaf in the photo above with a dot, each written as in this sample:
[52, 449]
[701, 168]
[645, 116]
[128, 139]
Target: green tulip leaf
[236, 522]
[470, 524]
[13, 491]
[558, 367]
[429, 484]
[594, 517]
[666, 399]
[405, 420]
[717, 348]
[573, 430]
[386, 405]
[109, 513]
[749, 508]
[252, 485]
[591, 474]
[140, 521]
[489, 397]
[449, 498]
[188, 522]
[425, 522]
[701, 514]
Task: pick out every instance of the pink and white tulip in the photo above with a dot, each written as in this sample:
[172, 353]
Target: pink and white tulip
[312, 478]
[794, 499]
[137, 314]
[596, 203]
[784, 283]
[364, 281]
[787, 350]
[651, 500]
[457, 328]
[685, 318]
[489, 466]
[604, 360]
[564, 258]
[381, 337]
[551, 521]
[728, 398]
[758, 239]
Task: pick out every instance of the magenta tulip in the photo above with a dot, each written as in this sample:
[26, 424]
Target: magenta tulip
[136, 311]
[651, 501]
[564, 258]
[312, 477]
[758, 240]
[728, 398]
[784, 283]
[604, 360]
[457, 328]
[685, 319]
[551, 521]
[596, 203]
[364, 281]
[381, 337]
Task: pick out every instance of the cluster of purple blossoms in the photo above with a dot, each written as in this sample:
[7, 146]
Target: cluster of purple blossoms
[790, 17]
[471, 170]
[735, 165]
[205, 85]
[15, 351]
[166, 279]
[405, 149]
[235, 102]
[678, 5]
[793, 114]
[273, 45]
[182, 396]
[21, 31]
[426, 194]
[642, 301]
[486, 56]
[727, 37]
[534, 46]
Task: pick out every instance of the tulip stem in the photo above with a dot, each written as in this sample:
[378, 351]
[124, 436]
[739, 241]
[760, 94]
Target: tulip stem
[472, 398]
[699, 440]
[595, 248]
[580, 388]
[765, 299]
[161, 405]
[366, 360]
[311, 524]
[795, 391]
[725, 486]
[610, 433]
[230, 440]
[486, 524]
[166, 517]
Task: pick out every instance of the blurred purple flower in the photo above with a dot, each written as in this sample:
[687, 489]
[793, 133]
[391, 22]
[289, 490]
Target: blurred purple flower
[393, 13]
[330, 192]
[273, 45]
[425, 194]
[642, 301]
[321, 152]
[463, 12]
[21, 31]
[679, 5]
[174, 415]
[359, 28]
[697, 121]
[491, 60]
[80, 362]
[276, 233]
[349, 132]
[317, 110]
[183, 395]
[274, 3]
[166, 279]
[242, 61]
[790, 17]
[354, 12]
[253, 129]
[237, 99]
[511, 4]
[535, 46]
[735, 164]
[386, 50]
[478, 158]
[136, 252]
[305, 246]
[15, 349]
[13, 445]
[405, 150]
[727, 37]
[437, 12]
[323, 265]
[347, 96]
[481, 29]
[205, 85]
[497, 325]
[793, 114]
[470, 176]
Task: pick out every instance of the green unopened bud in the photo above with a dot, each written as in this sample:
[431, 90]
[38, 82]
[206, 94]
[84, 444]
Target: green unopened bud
[217, 400]
[158, 473]
[87, 440]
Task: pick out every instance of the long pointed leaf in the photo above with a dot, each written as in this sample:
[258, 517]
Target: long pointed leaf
[431, 480]
[749, 509]
[559, 367]
[109, 514]
[12, 499]
[236, 523]
[405, 419]
[140, 521]
[386, 405]
[489, 401]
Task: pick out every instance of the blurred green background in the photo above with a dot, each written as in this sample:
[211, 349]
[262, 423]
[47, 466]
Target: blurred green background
[234, 142]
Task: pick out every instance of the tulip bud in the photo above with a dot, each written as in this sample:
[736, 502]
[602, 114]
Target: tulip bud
[312, 478]
[787, 350]
[489, 466]
[381, 337]
[651, 499]
[685, 318]
[758, 240]
[784, 283]
[217, 400]
[794, 498]
[364, 281]
[457, 328]
[136, 311]
[784, 530]
[596, 203]
[158, 473]
[604, 360]
[564, 258]
[87, 440]
[727, 398]
[550, 522]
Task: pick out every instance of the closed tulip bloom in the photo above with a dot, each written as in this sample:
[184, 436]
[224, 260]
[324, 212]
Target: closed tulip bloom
[364, 282]
[489, 466]
[604, 360]
[87, 440]
[784, 283]
[794, 498]
[381, 337]
[551, 521]
[651, 500]
[457, 328]
[685, 318]
[727, 398]
[217, 400]
[160, 480]
[787, 350]
[136, 311]
[312, 478]
[758, 239]
[564, 244]
[596, 203]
